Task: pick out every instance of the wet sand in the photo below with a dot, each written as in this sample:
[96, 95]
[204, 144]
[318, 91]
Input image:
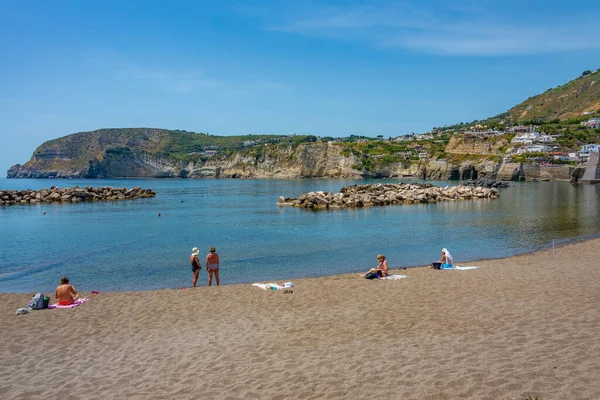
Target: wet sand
[526, 325]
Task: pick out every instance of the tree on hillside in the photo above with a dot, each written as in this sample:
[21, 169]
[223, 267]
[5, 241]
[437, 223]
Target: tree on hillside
[311, 138]
[586, 72]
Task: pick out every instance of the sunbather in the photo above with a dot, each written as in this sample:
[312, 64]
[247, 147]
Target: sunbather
[443, 263]
[66, 293]
[382, 268]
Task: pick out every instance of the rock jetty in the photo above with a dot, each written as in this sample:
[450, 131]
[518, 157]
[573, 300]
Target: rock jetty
[385, 194]
[72, 195]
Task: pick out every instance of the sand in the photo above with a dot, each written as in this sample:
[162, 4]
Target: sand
[523, 326]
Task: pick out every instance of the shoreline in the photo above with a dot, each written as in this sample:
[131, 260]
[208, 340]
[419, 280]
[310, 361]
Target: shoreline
[561, 243]
[517, 326]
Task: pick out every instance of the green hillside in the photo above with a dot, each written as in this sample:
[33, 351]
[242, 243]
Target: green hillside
[577, 98]
[81, 147]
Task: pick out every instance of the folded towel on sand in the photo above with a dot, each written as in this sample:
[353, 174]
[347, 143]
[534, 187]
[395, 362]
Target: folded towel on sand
[394, 277]
[461, 268]
[74, 304]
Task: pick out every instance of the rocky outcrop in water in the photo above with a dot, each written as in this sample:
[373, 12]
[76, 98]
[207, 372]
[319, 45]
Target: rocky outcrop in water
[385, 194]
[72, 195]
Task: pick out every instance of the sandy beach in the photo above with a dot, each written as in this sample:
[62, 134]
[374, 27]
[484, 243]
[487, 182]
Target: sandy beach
[524, 326]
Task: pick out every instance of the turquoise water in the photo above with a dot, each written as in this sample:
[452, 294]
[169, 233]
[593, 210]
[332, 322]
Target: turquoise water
[113, 246]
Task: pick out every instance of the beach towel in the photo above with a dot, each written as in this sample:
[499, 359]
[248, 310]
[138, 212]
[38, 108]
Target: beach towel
[76, 303]
[269, 286]
[458, 267]
[394, 277]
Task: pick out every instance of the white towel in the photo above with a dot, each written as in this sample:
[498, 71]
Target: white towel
[394, 277]
[462, 268]
[268, 286]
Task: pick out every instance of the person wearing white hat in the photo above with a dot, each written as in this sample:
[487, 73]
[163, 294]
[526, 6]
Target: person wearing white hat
[196, 266]
[443, 263]
[446, 259]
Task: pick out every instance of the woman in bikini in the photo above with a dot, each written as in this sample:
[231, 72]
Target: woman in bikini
[196, 267]
[212, 266]
[382, 268]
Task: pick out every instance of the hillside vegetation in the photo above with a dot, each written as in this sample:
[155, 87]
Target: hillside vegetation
[81, 147]
[573, 99]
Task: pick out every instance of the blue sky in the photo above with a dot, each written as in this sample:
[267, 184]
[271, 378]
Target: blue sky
[328, 68]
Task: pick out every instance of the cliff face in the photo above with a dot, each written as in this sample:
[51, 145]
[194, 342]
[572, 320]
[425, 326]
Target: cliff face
[487, 145]
[141, 153]
[308, 160]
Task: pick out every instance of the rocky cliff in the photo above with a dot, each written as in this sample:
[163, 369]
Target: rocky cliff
[158, 153]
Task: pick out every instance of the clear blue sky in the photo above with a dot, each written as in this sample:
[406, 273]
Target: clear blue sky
[330, 68]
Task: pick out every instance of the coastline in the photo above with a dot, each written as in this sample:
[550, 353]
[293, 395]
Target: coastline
[518, 326]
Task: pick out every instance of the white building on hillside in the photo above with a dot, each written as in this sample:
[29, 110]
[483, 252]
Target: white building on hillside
[592, 123]
[546, 139]
[521, 129]
[425, 136]
[526, 138]
[584, 154]
[536, 148]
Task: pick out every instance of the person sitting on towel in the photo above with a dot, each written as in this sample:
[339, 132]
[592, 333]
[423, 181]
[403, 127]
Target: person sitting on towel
[66, 293]
[443, 263]
[382, 268]
[446, 259]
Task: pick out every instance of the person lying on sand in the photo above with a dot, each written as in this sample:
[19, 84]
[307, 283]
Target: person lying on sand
[66, 293]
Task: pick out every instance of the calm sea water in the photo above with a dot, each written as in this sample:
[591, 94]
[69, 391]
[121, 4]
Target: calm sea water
[113, 246]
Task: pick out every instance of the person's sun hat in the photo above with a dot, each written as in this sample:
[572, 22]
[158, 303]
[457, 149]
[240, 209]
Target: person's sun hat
[195, 251]
[380, 256]
[444, 250]
[212, 249]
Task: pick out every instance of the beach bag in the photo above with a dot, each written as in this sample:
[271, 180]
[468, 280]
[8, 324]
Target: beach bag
[371, 275]
[37, 301]
[437, 265]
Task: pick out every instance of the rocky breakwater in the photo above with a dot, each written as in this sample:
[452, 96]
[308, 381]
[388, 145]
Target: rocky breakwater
[385, 194]
[72, 195]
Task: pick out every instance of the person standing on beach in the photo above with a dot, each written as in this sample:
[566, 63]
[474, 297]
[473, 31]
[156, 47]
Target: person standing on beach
[196, 266]
[65, 293]
[212, 266]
